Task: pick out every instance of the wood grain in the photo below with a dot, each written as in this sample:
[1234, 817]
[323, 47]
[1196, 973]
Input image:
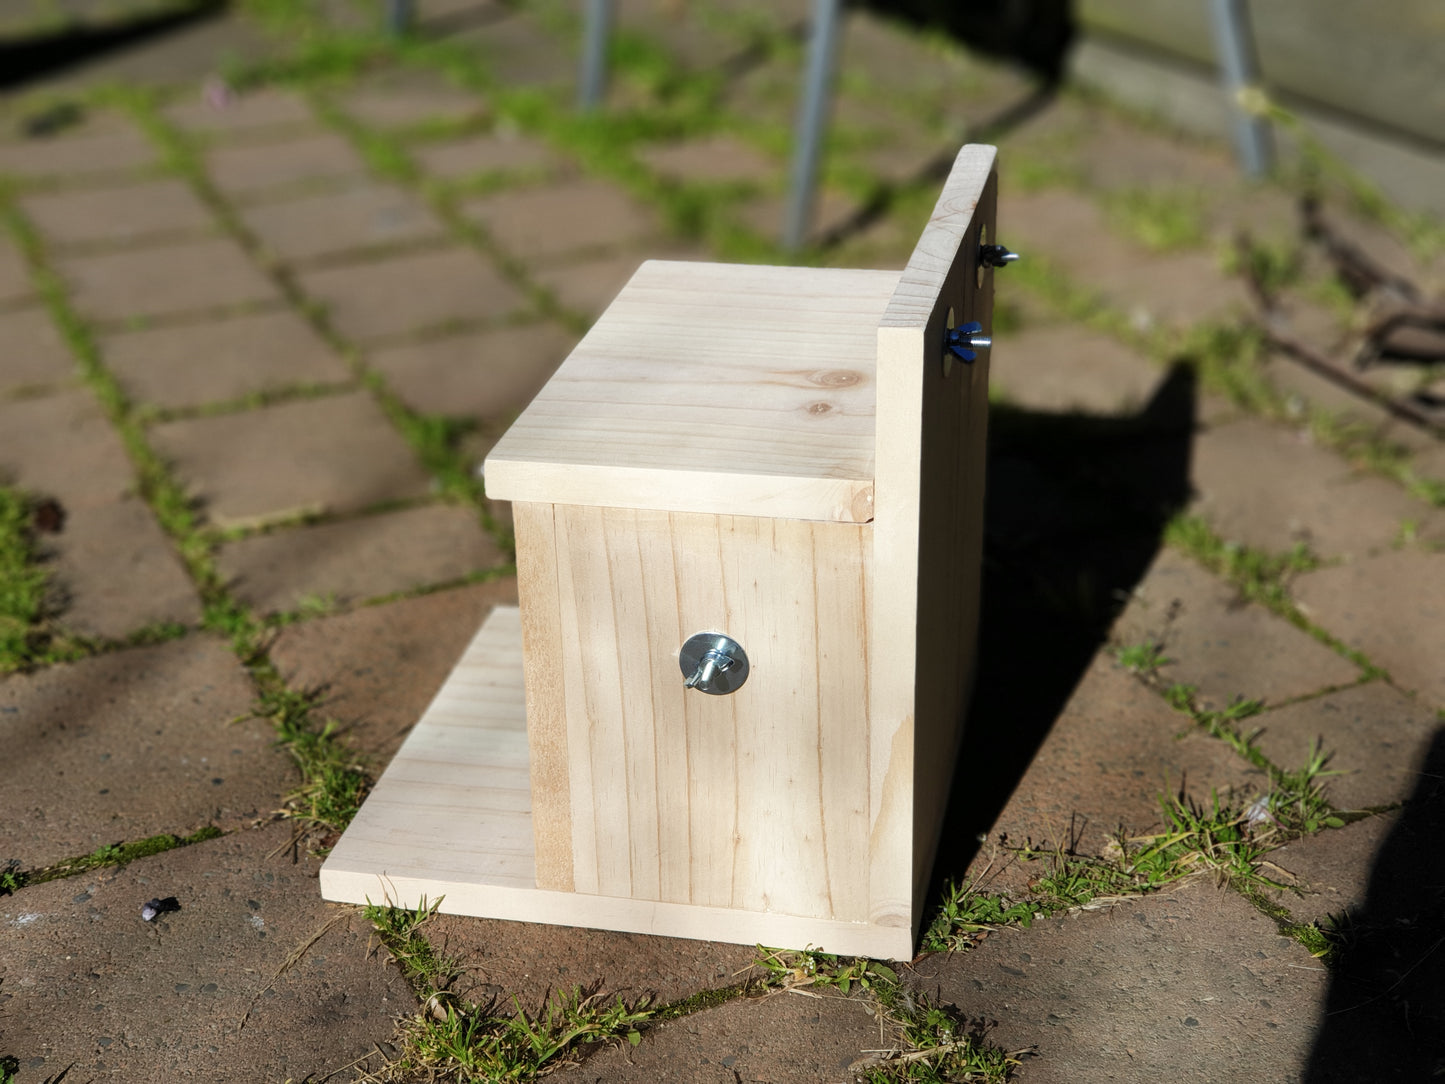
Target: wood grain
[758, 799]
[932, 422]
[712, 388]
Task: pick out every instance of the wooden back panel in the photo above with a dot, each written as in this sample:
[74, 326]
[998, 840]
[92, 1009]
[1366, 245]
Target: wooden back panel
[932, 422]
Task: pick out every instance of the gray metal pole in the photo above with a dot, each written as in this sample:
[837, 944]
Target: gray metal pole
[812, 122]
[398, 16]
[597, 30]
[1240, 75]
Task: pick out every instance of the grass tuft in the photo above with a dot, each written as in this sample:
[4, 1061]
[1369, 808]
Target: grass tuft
[14, 878]
[929, 1044]
[455, 1041]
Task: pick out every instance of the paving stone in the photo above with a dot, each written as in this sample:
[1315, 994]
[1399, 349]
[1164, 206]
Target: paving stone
[1392, 608]
[1271, 487]
[1069, 231]
[531, 961]
[15, 283]
[381, 665]
[328, 455]
[1113, 751]
[195, 276]
[99, 146]
[1068, 368]
[358, 559]
[92, 985]
[129, 744]
[128, 214]
[518, 52]
[1331, 869]
[1187, 985]
[1223, 647]
[589, 287]
[62, 446]
[783, 1038]
[248, 169]
[371, 216]
[190, 365]
[832, 211]
[114, 572]
[491, 376]
[718, 159]
[256, 111]
[35, 353]
[406, 106]
[411, 293]
[481, 155]
[1379, 738]
[562, 219]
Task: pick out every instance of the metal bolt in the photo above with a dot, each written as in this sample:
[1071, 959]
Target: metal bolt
[713, 663]
[963, 341]
[996, 256]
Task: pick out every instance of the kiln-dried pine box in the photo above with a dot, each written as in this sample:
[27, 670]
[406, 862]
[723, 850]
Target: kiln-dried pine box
[748, 513]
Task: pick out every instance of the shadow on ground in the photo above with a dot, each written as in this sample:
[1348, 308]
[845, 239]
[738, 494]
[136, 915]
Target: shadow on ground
[1076, 508]
[24, 60]
[1385, 1015]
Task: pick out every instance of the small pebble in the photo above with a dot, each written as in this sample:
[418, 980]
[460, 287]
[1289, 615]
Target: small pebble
[150, 909]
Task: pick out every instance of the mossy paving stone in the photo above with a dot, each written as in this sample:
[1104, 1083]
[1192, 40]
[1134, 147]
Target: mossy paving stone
[1192, 984]
[62, 446]
[131, 214]
[1308, 494]
[113, 572]
[531, 962]
[332, 454]
[1225, 647]
[165, 281]
[264, 111]
[408, 293]
[379, 667]
[1069, 230]
[1390, 607]
[101, 144]
[489, 376]
[193, 365]
[1114, 750]
[501, 152]
[127, 745]
[252, 169]
[356, 559]
[1377, 738]
[783, 1038]
[560, 221]
[372, 216]
[1329, 872]
[90, 983]
[35, 353]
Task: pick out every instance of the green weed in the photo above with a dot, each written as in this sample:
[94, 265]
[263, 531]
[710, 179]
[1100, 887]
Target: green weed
[1159, 219]
[1143, 658]
[1257, 575]
[930, 1045]
[27, 637]
[111, 854]
[334, 780]
[453, 1041]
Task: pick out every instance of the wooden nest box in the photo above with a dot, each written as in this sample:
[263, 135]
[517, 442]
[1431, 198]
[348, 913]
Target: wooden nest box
[749, 520]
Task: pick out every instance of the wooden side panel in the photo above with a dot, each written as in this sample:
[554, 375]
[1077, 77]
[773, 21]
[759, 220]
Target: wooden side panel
[755, 800]
[546, 702]
[932, 420]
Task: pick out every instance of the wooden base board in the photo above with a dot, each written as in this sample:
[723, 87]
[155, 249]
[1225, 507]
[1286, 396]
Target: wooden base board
[451, 820]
